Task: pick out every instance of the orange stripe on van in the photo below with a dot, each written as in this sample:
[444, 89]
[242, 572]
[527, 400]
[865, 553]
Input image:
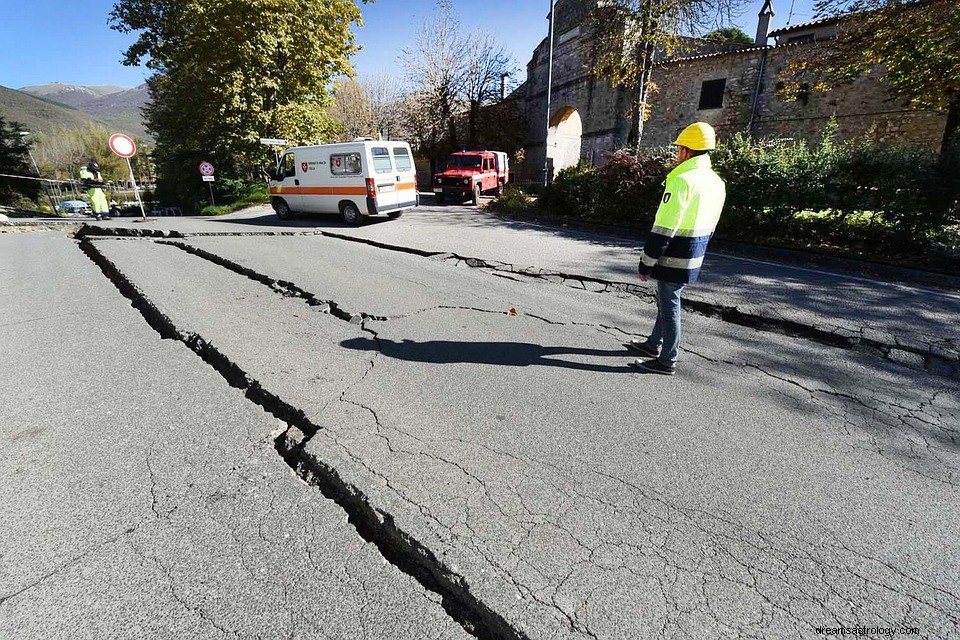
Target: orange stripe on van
[406, 186]
[320, 191]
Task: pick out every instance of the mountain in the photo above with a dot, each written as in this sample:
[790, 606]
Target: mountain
[37, 114]
[70, 94]
[120, 108]
[117, 108]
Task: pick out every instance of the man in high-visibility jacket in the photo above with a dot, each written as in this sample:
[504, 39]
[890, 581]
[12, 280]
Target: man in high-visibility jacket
[688, 214]
[91, 179]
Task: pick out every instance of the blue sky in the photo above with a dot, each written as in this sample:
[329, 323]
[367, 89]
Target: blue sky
[56, 41]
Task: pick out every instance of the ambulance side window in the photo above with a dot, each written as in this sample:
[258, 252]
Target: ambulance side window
[345, 164]
[381, 160]
[402, 156]
[289, 166]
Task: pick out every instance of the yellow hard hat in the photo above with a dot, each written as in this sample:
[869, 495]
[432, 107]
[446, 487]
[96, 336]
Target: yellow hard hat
[699, 136]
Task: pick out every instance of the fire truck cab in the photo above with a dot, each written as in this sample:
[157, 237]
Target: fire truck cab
[470, 174]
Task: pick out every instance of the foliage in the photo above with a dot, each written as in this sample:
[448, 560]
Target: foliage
[625, 190]
[242, 194]
[914, 41]
[61, 152]
[14, 160]
[859, 197]
[728, 34]
[227, 73]
[513, 200]
[628, 35]
[454, 75]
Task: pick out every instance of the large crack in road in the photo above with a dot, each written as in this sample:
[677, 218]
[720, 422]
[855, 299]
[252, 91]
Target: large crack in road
[403, 548]
[937, 356]
[397, 547]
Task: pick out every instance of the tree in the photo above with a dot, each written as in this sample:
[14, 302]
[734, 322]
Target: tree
[488, 62]
[454, 75]
[350, 110]
[914, 42]
[728, 34]
[14, 160]
[436, 70]
[384, 93]
[227, 73]
[61, 152]
[628, 35]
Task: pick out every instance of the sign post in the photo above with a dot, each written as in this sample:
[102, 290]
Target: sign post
[206, 173]
[274, 142]
[124, 147]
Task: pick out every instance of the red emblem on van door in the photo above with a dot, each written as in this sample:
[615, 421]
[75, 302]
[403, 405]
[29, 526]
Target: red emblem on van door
[304, 166]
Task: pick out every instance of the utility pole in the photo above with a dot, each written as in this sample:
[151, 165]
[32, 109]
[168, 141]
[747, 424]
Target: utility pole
[45, 187]
[546, 139]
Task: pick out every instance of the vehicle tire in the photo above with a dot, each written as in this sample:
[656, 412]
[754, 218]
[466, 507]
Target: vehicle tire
[350, 214]
[395, 214]
[282, 209]
[476, 194]
[441, 198]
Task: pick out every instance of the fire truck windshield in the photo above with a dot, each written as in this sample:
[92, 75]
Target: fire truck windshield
[468, 162]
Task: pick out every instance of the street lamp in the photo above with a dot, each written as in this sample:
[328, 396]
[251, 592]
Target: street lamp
[546, 138]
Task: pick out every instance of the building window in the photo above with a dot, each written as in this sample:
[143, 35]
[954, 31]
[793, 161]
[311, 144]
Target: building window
[808, 37]
[711, 94]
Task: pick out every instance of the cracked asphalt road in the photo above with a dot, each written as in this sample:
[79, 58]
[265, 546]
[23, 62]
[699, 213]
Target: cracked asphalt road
[483, 434]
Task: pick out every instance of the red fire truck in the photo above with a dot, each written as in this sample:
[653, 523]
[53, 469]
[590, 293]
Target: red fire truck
[469, 174]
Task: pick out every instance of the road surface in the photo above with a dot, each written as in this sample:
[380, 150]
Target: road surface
[440, 435]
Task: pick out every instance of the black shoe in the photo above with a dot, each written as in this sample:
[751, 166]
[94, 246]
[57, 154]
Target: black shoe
[654, 366]
[642, 348]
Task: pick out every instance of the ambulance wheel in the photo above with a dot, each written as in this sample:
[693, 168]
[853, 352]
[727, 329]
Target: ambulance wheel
[476, 194]
[395, 214]
[350, 214]
[282, 210]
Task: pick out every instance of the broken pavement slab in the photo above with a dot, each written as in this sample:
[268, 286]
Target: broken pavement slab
[144, 496]
[574, 499]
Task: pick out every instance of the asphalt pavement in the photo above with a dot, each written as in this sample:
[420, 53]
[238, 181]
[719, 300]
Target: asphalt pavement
[503, 470]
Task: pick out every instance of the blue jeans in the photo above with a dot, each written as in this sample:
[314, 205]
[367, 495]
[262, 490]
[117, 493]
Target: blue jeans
[666, 330]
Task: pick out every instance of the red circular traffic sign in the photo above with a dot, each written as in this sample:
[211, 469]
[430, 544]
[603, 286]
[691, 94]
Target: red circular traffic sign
[206, 169]
[123, 145]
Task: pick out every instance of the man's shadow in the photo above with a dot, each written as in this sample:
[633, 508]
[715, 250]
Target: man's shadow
[507, 354]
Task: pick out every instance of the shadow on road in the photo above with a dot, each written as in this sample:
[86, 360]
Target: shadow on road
[508, 354]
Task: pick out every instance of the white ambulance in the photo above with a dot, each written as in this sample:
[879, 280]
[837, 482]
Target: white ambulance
[355, 179]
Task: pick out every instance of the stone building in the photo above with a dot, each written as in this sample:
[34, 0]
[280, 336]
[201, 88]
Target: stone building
[733, 89]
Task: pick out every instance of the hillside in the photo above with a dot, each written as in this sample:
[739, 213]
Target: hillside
[36, 114]
[70, 94]
[121, 108]
[116, 108]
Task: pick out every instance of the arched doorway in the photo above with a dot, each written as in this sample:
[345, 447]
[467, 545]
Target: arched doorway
[563, 139]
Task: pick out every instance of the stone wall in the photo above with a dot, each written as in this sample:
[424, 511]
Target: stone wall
[861, 109]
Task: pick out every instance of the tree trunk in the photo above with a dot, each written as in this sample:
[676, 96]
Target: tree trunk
[472, 123]
[951, 138]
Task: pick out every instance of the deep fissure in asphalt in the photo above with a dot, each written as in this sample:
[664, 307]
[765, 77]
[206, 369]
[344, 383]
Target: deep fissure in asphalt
[932, 362]
[373, 525]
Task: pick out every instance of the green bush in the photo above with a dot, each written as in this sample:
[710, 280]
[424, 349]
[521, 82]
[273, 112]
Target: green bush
[513, 200]
[858, 198]
[245, 194]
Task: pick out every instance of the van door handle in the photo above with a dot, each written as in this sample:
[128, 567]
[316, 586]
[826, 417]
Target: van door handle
[296, 182]
[398, 178]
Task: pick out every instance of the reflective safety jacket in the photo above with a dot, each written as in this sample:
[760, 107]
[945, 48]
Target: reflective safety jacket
[687, 216]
